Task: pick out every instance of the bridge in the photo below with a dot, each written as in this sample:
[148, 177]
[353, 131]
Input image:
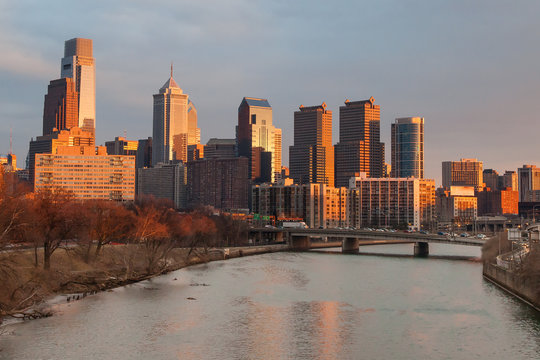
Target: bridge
[305, 239]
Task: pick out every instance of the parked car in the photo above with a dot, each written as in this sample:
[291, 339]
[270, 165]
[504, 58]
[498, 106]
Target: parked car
[464, 234]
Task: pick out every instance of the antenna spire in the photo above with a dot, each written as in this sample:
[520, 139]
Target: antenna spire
[171, 68]
[10, 140]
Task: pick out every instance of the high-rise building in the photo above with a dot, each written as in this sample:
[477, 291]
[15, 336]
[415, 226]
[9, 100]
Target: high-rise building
[491, 179]
[61, 107]
[164, 181]
[170, 130]
[510, 180]
[466, 172]
[221, 183]
[408, 147]
[359, 148]
[87, 173]
[529, 181]
[220, 148]
[195, 152]
[144, 153]
[457, 204]
[194, 133]
[258, 139]
[311, 158]
[78, 64]
[121, 146]
[407, 202]
[49, 144]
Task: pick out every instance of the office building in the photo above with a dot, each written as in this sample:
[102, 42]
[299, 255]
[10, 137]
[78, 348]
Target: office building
[466, 172]
[78, 64]
[221, 183]
[491, 179]
[457, 204]
[144, 153]
[195, 152]
[220, 148]
[359, 149]
[510, 180]
[497, 202]
[170, 125]
[164, 181]
[528, 180]
[61, 106]
[49, 144]
[408, 147]
[311, 158]
[258, 139]
[194, 133]
[121, 146]
[87, 173]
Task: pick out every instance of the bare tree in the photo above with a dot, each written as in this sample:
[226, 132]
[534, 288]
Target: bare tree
[108, 221]
[55, 218]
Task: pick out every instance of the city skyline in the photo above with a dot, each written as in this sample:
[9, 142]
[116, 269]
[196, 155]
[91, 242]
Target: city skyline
[455, 85]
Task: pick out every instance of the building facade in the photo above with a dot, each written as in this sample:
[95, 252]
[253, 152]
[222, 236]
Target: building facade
[221, 183]
[359, 149]
[497, 202]
[50, 143]
[87, 175]
[61, 106]
[392, 202]
[220, 148]
[311, 158]
[466, 172]
[457, 204]
[164, 181]
[408, 147]
[510, 180]
[78, 64]
[170, 125]
[258, 139]
[144, 153]
[528, 180]
[122, 146]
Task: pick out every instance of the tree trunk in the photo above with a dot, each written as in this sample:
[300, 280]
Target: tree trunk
[46, 257]
[98, 249]
[36, 261]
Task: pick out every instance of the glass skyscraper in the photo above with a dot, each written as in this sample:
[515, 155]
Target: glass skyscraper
[408, 147]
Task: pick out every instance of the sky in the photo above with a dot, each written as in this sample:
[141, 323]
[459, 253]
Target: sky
[470, 68]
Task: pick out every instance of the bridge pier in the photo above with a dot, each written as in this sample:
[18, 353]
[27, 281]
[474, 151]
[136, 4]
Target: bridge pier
[278, 237]
[300, 243]
[350, 246]
[421, 249]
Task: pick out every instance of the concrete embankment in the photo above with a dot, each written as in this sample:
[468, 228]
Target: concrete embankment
[512, 283]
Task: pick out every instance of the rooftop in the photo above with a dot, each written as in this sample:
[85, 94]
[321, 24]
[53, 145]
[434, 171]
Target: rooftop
[257, 102]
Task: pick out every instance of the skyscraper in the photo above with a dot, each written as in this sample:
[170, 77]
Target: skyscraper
[194, 133]
[258, 139]
[78, 64]
[61, 107]
[170, 130]
[529, 182]
[466, 172]
[408, 148]
[312, 155]
[359, 148]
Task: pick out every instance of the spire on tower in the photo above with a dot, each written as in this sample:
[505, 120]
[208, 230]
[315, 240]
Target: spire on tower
[10, 139]
[171, 68]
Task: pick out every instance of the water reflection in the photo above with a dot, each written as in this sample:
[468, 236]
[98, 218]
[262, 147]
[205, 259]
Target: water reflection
[292, 306]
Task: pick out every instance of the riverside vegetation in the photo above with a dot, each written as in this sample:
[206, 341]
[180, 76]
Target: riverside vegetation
[526, 269]
[51, 243]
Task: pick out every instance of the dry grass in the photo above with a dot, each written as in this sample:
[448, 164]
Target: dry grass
[24, 285]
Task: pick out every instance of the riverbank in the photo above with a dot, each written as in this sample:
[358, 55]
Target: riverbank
[27, 290]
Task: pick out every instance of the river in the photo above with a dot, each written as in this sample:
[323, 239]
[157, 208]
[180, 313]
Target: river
[294, 306]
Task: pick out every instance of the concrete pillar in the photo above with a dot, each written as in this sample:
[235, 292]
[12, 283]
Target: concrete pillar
[278, 237]
[300, 243]
[421, 249]
[350, 245]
